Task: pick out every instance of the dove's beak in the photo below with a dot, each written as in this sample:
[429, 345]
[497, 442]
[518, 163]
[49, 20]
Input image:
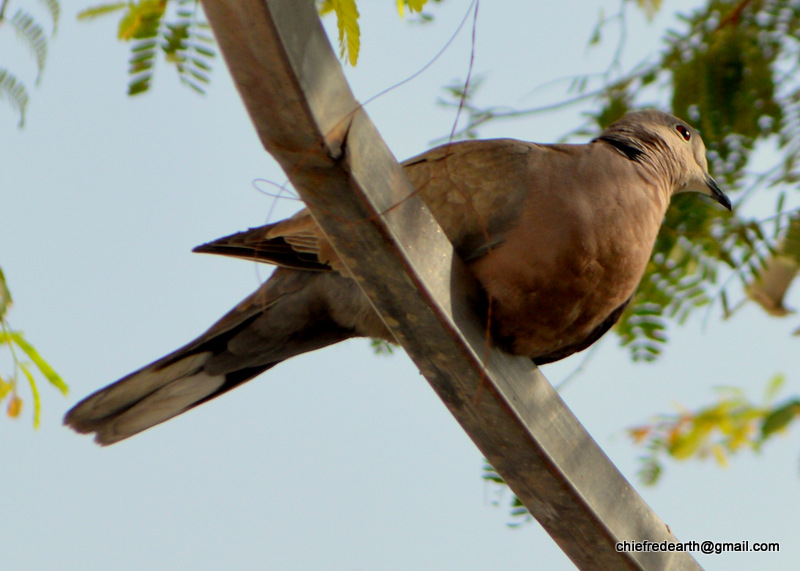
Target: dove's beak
[717, 194]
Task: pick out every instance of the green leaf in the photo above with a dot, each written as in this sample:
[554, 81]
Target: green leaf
[650, 471]
[726, 310]
[37, 403]
[142, 20]
[649, 77]
[199, 90]
[28, 30]
[381, 347]
[175, 39]
[204, 51]
[54, 8]
[144, 46]
[597, 31]
[790, 247]
[517, 509]
[200, 64]
[779, 418]
[183, 45]
[101, 10]
[140, 65]
[14, 91]
[140, 84]
[142, 59]
[198, 75]
[5, 295]
[40, 363]
[203, 37]
[773, 387]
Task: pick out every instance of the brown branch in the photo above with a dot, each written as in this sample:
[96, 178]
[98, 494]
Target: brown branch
[733, 17]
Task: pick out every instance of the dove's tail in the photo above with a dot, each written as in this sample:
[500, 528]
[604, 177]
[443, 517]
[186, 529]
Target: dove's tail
[289, 314]
[150, 396]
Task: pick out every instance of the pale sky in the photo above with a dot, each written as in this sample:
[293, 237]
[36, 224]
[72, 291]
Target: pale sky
[338, 459]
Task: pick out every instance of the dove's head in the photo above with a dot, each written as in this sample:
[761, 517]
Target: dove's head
[667, 143]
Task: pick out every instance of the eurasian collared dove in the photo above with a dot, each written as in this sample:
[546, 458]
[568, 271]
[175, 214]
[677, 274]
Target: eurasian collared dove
[558, 237]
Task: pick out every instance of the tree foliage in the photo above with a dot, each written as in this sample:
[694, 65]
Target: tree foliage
[732, 424]
[15, 341]
[14, 92]
[31, 33]
[732, 75]
[176, 28]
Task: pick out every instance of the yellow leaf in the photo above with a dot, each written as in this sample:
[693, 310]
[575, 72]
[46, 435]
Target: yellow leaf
[349, 31]
[720, 456]
[687, 445]
[43, 366]
[650, 7]
[741, 437]
[138, 16]
[413, 6]
[680, 425]
[14, 406]
[5, 388]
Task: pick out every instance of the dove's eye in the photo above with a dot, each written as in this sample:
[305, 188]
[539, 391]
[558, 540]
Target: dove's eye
[685, 133]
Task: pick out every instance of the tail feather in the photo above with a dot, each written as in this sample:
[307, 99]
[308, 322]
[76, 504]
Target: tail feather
[288, 315]
[168, 401]
[151, 396]
[118, 397]
[256, 244]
